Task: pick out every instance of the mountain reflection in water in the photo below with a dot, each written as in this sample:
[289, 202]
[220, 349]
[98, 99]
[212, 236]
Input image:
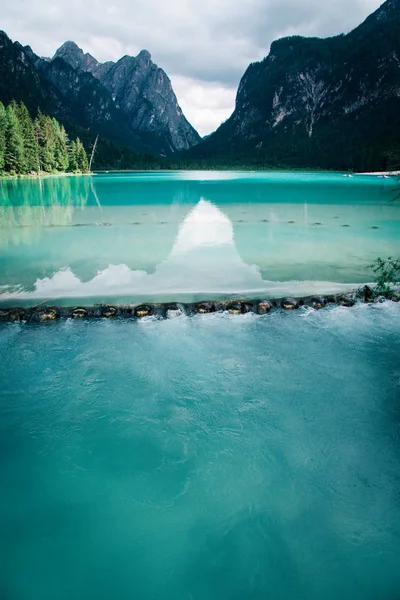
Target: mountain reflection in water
[140, 236]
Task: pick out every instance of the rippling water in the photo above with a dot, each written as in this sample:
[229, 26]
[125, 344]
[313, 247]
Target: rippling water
[187, 235]
[211, 457]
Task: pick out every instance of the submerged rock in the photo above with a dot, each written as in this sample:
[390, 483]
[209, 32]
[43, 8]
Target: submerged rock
[345, 301]
[144, 310]
[126, 311]
[316, 302]
[109, 311]
[16, 314]
[238, 308]
[205, 307]
[368, 294]
[263, 307]
[290, 303]
[48, 313]
[79, 313]
[174, 310]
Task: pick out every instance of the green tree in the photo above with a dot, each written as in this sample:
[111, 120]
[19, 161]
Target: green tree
[3, 125]
[394, 158]
[81, 157]
[29, 138]
[14, 154]
[72, 163]
[61, 148]
[387, 273]
[47, 139]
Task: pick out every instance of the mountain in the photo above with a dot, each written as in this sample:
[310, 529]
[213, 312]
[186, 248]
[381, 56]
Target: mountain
[130, 102]
[328, 103]
[143, 92]
[20, 79]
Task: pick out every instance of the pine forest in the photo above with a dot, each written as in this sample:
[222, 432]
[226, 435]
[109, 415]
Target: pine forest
[31, 146]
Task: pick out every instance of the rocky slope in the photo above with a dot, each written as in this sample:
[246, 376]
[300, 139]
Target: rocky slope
[143, 92]
[330, 103]
[131, 102]
[19, 77]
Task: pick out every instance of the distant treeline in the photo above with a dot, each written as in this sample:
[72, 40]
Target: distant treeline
[43, 145]
[31, 146]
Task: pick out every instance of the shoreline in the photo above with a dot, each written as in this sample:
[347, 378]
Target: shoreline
[36, 176]
[382, 173]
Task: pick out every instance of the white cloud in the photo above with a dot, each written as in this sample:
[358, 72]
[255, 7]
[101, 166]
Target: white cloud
[204, 45]
[206, 105]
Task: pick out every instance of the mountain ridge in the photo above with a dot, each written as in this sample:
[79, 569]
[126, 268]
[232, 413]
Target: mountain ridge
[79, 90]
[143, 91]
[331, 103]
[318, 102]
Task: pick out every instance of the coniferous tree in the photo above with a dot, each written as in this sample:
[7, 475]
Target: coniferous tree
[38, 133]
[81, 157]
[29, 138]
[73, 163]
[14, 154]
[61, 148]
[47, 138]
[28, 146]
[3, 123]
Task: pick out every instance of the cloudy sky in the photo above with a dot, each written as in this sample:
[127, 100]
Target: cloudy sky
[203, 45]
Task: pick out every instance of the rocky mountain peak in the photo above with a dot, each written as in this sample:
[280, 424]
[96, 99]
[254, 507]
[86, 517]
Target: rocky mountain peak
[139, 90]
[387, 9]
[75, 57]
[5, 41]
[144, 56]
[3, 36]
[144, 92]
[331, 103]
[69, 46]
[130, 101]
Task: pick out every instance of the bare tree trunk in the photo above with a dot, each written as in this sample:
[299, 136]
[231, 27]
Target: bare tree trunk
[92, 154]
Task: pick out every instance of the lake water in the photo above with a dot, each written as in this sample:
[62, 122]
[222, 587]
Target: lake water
[190, 235]
[209, 458]
[212, 457]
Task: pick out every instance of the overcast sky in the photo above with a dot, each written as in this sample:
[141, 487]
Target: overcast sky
[203, 45]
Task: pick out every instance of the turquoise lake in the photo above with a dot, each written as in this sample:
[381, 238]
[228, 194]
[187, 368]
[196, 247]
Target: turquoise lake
[190, 235]
[212, 457]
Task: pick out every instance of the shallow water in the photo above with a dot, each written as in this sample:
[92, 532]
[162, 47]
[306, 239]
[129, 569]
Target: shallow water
[211, 457]
[188, 235]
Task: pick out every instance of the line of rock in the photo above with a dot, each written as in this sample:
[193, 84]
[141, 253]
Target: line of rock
[44, 313]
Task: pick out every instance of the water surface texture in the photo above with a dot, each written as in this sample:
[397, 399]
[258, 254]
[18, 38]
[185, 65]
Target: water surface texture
[188, 235]
[204, 458]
